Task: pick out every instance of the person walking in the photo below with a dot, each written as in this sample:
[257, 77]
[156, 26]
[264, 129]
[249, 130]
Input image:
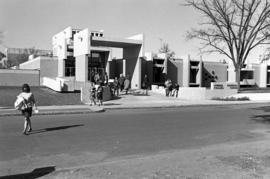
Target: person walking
[175, 90]
[27, 109]
[99, 94]
[97, 78]
[170, 87]
[121, 82]
[116, 87]
[145, 84]
[92, 95]
[126, 85]
[106, 79]
[166, 84]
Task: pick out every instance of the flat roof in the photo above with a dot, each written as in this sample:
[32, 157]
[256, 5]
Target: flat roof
[114, 42]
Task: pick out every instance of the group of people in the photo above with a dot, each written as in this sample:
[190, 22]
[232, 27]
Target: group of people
[120, 84]
[96, 94]
[171, 89]
[98, 78]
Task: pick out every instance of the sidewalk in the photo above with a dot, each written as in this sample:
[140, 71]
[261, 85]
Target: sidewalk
[137, 100]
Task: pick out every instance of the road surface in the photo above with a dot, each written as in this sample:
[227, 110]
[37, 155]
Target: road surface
[65, 141]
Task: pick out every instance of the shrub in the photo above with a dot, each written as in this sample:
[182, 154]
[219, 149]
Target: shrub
[231, 99]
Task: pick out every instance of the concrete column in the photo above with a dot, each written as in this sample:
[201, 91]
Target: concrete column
[231, 75]
[108, 59]
[199, 75]
[137, 73]
[186, 72]
[61, 68]
[124, 67]
[263, 76]
[81, 64]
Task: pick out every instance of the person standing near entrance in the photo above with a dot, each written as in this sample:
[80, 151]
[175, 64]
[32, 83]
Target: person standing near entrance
[116, 87]
[145, 84]
[97, 78]
[126, 85]
[99, 94]
[121, 82]
[106, 79]
[92, 95]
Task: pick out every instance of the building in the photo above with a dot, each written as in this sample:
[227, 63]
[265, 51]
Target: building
[79, 54]
[186, 72]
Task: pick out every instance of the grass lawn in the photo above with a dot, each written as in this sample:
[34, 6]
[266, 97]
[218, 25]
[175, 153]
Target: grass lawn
[44, 96]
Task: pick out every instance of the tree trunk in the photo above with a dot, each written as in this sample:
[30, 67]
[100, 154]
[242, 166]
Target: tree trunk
[237, 76]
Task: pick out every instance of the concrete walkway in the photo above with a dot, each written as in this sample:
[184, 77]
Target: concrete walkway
[137, 99]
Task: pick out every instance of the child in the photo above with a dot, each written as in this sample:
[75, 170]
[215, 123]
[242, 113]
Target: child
[92, 96]
[116, 87]
[99, 94]
[175, 90]
[29, 103]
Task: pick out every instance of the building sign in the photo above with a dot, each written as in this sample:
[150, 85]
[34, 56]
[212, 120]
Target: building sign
[218, 86]
[223, 85]
[232, 85]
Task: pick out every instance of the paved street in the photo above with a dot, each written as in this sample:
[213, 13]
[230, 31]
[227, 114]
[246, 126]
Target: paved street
[83, 139]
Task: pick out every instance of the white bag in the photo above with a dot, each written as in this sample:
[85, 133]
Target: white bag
[19, 104]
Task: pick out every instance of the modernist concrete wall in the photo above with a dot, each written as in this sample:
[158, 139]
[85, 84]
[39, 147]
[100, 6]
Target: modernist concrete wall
[82, 43]
[116, 68]
[213, 72]
[47, 66]
[133, 65]
[175, 71]
[147, 69]
[19, 77]
[81, 71]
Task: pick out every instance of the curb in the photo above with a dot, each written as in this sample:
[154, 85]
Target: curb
[89, 110]
[54, 112]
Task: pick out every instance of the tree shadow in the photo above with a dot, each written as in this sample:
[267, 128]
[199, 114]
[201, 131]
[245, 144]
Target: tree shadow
[115, 98]
[36, 173]
[265, 119]
[139, 93]
[263, 108]
[110, 104]
[54, 129]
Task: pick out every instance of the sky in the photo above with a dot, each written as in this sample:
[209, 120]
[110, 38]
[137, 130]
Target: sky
[32, 23]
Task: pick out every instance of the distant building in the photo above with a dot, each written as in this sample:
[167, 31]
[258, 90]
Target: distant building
[16, 56]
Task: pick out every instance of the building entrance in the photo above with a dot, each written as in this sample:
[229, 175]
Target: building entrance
[96, 66]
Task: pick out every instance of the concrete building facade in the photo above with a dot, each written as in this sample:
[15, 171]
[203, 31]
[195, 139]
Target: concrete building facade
[82, 53]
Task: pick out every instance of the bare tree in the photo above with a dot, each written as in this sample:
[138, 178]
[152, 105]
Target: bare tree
[232, 28]
[165, 49]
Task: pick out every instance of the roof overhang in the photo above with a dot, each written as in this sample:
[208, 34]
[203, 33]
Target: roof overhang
[114, 42]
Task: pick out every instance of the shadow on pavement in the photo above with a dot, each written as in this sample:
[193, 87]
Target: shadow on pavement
[36, 173]
[262, 118]
[140, 94]
[110, 104]
[54, 129]
[263, 108]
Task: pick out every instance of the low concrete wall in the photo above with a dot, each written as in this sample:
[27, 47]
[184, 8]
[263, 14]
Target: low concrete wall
[192, 93]
[189, 93]
[10, 77]
[52, 84]
[210, 94]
